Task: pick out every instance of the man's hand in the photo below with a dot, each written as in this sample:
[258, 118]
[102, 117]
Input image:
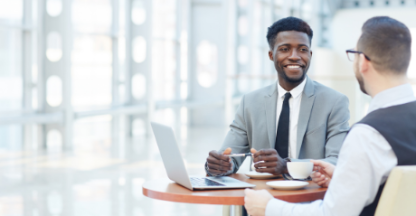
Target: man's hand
[323, 172]
[268, 160]
[219, 163]
[256, 201]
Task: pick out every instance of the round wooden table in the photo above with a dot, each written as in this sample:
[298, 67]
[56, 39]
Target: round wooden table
[164, 189]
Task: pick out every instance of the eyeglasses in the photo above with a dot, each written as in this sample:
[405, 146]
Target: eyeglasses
[351, 54]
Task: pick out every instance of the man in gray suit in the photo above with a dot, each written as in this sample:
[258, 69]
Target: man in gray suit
[293, 119]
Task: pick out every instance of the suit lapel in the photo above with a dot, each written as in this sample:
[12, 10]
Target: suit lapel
[306, 106]
[270, 103]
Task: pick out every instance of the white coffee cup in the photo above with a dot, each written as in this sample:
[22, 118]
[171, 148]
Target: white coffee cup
[300, 170]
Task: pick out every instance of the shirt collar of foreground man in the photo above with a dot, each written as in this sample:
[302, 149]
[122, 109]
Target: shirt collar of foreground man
[371, 150]
[395, 95]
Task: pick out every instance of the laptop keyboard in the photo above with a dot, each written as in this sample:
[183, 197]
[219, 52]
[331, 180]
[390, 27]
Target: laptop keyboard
[204, 182]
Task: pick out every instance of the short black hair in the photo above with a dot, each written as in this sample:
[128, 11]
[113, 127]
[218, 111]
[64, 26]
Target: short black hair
[387, 42]
[288, 24]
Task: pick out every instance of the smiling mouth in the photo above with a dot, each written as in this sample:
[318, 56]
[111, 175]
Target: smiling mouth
[291, 66]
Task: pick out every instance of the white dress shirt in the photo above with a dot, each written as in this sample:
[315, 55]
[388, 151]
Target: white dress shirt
[365, 161]
[294, 105]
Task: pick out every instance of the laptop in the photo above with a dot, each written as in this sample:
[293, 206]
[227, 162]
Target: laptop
[175, 166]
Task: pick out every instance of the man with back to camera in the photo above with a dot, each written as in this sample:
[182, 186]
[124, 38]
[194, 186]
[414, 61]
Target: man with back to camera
[383, 139]
[295, 118]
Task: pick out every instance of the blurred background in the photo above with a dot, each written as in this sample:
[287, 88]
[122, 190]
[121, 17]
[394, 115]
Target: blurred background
[81, 79]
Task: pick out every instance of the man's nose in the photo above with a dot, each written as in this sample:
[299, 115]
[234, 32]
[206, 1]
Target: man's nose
[294, 55]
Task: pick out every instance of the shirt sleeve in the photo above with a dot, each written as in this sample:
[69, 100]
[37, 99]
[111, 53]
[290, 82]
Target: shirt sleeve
[366, 159]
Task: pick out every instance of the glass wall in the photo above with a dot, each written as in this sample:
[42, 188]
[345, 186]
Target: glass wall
[111, 66]
[11, 75]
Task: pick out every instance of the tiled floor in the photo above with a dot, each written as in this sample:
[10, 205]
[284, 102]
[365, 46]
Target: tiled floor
[88, 184]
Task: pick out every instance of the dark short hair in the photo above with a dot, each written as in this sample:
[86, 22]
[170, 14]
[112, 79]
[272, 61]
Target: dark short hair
[288, 24]
[387, 42]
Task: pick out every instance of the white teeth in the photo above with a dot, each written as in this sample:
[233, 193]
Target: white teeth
[293, 66]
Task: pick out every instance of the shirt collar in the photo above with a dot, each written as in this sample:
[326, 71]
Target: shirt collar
[296, 92]
[391, 97]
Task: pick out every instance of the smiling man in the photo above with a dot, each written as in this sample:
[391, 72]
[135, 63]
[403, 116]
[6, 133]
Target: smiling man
[293, 119]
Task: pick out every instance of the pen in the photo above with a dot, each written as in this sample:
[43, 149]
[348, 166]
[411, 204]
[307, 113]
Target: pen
[239, 155]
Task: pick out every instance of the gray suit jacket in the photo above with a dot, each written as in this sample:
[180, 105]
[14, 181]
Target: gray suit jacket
[322, 127]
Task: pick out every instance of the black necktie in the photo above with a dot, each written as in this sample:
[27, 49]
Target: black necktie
[282, 136]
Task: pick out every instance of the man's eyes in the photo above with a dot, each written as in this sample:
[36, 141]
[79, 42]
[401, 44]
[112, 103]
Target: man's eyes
[284, 49]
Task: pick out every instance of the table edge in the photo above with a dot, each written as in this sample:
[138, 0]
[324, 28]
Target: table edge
[226, 200]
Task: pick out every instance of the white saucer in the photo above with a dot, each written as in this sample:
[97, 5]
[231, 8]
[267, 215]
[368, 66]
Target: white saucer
[257, 175]
[287, 185]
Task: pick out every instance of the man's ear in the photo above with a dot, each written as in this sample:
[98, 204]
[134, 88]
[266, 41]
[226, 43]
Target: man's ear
[364, 64]
[271, 55]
